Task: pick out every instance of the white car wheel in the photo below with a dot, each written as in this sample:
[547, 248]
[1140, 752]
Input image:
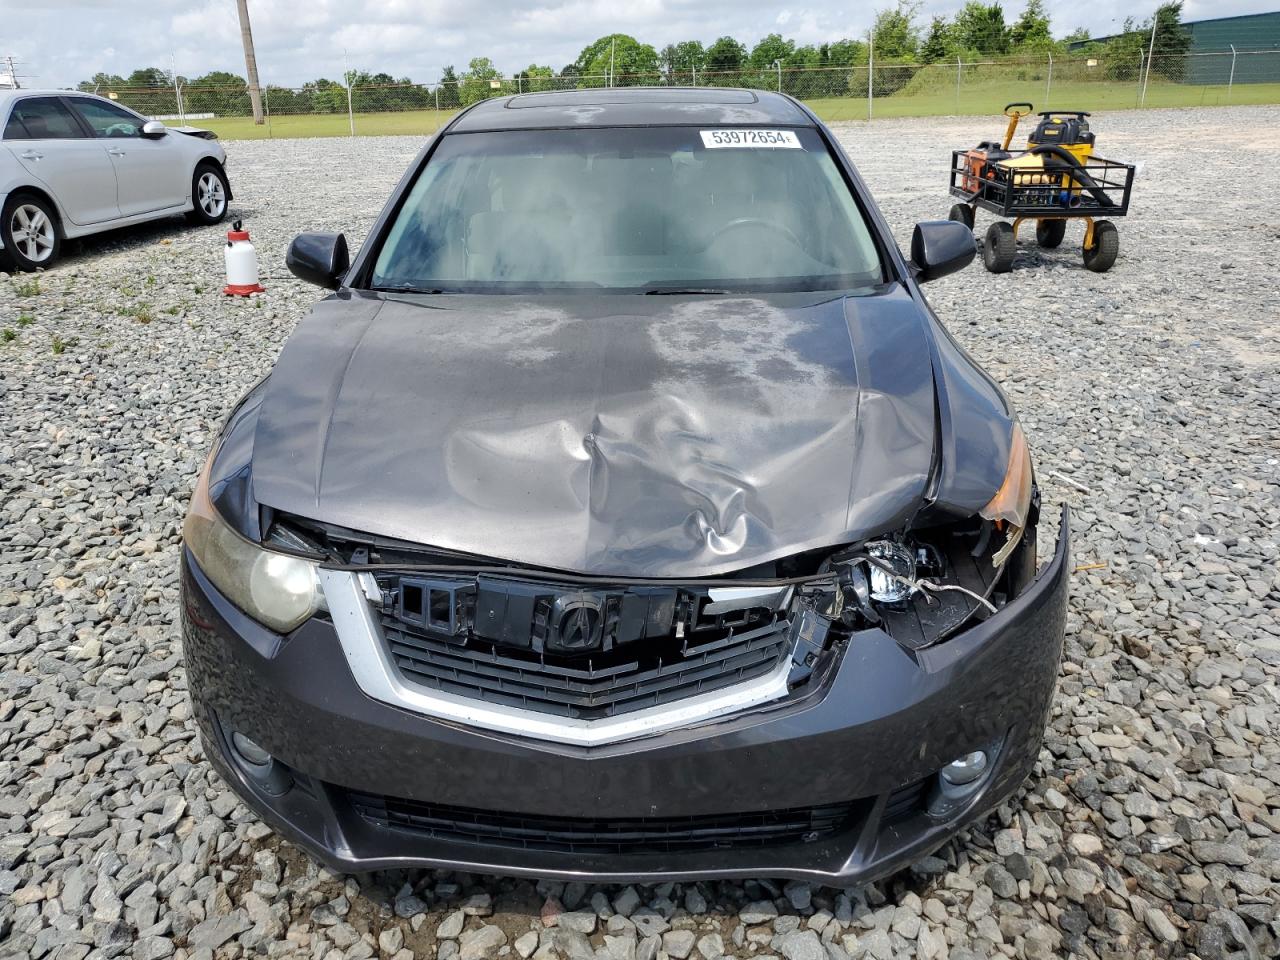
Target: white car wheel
[210, 195]
[32, 233]
[29, 236]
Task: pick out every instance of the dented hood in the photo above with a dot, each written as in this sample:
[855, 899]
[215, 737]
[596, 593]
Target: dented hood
[624, 435]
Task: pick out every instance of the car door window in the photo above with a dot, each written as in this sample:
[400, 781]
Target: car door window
[42, 118]
[107, 120]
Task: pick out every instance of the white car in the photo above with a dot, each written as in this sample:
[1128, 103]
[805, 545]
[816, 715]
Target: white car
[72, 164]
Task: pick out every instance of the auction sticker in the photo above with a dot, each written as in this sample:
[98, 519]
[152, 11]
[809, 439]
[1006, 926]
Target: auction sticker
[715, 139]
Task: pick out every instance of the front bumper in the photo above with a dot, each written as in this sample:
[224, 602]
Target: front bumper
[878, 727]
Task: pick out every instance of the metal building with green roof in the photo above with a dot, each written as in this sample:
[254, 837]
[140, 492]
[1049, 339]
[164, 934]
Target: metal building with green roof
[1255, 38]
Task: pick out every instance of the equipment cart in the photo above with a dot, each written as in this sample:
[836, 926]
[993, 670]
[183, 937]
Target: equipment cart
[1056, 179]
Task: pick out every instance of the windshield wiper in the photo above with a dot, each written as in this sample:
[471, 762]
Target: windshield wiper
[682, 291]
[409, 288]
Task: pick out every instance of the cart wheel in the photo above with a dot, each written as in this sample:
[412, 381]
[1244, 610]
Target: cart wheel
[999, 248]
[1106, 247]
[1049, 233]
[962, 213]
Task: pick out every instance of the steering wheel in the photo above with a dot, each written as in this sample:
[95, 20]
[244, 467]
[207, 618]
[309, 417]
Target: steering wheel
[744, 222]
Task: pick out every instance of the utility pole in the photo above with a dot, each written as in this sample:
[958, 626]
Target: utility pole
[613, 45]
[250, 60]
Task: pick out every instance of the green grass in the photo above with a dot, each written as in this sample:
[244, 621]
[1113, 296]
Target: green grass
[407, 123]
[8, 336]
[981, 98]
[139, 311]
[988, 98]
[27, 288]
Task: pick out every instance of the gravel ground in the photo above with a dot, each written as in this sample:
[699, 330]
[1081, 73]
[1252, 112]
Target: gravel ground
[1152, 827]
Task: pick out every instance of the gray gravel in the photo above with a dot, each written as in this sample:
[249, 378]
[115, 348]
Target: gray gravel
[1151, 828]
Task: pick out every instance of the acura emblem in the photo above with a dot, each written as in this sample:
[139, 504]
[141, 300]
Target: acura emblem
[579, 625]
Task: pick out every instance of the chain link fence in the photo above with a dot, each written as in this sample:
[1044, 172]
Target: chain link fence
[858, 91]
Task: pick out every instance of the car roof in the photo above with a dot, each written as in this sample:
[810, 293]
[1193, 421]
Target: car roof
[633, 107]
[8, 93]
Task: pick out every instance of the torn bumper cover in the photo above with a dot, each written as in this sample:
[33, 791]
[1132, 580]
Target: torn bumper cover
[836, 782]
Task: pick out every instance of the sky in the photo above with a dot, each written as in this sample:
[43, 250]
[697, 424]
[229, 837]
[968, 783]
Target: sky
[57, 43]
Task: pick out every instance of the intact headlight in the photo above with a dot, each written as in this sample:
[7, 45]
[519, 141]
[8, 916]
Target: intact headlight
[277, 590]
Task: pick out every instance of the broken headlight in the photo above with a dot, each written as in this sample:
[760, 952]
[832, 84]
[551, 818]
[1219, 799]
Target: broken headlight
[1011, 505]
[278, 590]
[890, 578]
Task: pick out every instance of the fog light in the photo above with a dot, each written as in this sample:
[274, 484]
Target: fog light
[886, 585]
[272, 777]
[963, 779]
[249, 751]
[966, 769]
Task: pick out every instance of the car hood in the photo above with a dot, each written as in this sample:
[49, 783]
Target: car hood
[625, 435]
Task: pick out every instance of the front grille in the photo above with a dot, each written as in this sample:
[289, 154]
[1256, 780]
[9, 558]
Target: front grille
[610, 836]
[612, 683]
[503, 646]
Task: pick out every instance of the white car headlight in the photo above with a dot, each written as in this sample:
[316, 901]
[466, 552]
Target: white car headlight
[277, 590]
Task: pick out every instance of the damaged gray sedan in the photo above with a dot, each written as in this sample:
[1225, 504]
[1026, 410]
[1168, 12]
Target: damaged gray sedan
[624, 513]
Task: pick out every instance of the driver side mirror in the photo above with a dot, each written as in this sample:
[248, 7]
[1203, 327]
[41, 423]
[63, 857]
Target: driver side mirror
[940, 247]
[319, 258]
[154, 128]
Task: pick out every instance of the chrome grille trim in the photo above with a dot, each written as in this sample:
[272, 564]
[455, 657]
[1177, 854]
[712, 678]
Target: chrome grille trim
[360, 634]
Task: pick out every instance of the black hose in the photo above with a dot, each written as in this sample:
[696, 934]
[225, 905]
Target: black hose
[1077, 171]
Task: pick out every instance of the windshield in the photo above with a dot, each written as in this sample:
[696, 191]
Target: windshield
[629, 209]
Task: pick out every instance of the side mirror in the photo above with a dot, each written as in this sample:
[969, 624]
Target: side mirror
[154, 128]
[319, 258]
[939, 247]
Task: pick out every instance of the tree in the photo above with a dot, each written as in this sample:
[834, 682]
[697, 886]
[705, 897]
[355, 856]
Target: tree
[1031, 30]
[450, 97]
[726, 55]
[225, 94]
[324, 96]
[940, 44]
[844, 53]
[477, 82]
[101, 81]
[1124, 53]
[803, 58]
[149, 77]
[618, 59]
[683, 58]
[218, 78]
[1078, 35]
[894, 35]
[981, 28]
[534, 78]
[1173, 40]
[771, 49]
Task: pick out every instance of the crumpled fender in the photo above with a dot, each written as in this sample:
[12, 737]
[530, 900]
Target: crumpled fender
[230, 476]
[974, 435]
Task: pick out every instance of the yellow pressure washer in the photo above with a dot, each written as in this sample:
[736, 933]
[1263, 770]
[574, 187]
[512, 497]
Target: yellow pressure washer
[1055, 179]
